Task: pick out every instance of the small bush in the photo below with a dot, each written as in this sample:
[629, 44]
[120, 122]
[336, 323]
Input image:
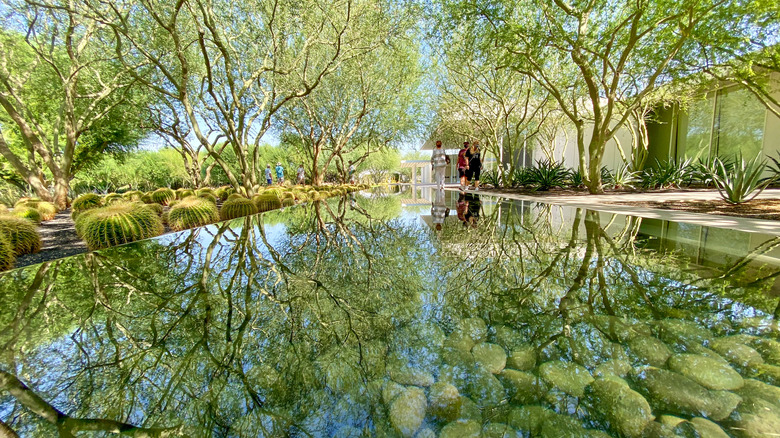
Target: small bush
[548, 174]
[163, 196]
[237, 207]
[28, 213]
[21, 234]
[117, 224]
[192, 212]
[624, 178]
[7, 256]
[667, 174]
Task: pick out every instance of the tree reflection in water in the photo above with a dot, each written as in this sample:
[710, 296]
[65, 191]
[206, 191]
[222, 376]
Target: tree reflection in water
[321, 319]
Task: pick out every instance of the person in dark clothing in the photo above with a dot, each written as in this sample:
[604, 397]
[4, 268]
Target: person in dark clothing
[475, 164]
[473, 209]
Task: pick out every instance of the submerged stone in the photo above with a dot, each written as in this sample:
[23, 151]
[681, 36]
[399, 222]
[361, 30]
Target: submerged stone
[469, 410]
[348, 432]
[391, 391]
[562, 426]
[619, 329]
[755, 418]
[459, 341]
[474, 328]
[509, 338]
[425, 432]
[461, 429]
[491, 357]
[626, 410]
[522, 358]
[523, 388]
[655, 429]
[769, 349]
[568, 377]
[529, 419]
[757, 389]
[676, 393]
[737, 353]
[407, 411]
[767, 373]
[485, 389]
[649, 350]
[670, 420]
[499, 430]
[444, 401]
[681, 333]
[619, 368]
[707, 429]
[706, 371]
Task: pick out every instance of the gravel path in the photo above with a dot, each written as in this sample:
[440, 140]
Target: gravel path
[59, 240]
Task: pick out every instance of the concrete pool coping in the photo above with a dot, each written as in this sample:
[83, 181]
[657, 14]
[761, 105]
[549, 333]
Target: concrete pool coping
[599, 203]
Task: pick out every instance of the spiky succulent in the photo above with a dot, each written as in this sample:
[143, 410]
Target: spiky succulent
[192, 212]
[117, 224]
[203, 190]
[3, 208]
[7, 256]
[112, 198]
[267, 201]
[223, 192]
[21, 234]
[288, 202]
[28, 213]
[47, 210]
[156, 208]
[235, 196]
[237, 207]
[163, 196]
[147, 198]
[208, 197]
[183, 193]
[133, 195]
[85, 202]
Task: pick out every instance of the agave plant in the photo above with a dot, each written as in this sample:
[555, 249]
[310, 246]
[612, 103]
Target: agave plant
[743, 182]
[117, 224]
[548, 174]
[192, 212]
[623, 177]
[237, 207]
[491, 177]
[521, 176]
[21, 234]
[667, 174]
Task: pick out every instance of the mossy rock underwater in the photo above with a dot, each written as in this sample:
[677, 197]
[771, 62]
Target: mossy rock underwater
[192, 212]
[163, 196]
[117, 224]
[237, 207]
[21, 234]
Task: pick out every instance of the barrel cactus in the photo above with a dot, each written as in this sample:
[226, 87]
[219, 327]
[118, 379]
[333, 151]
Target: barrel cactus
[203, 190]
[223, 192]
[288, 202]
[163, 196]
[117, 224]
[192, 212]
[21, 234]
[267, 201]
[183, 193]
[7, 256]
[86, 202]
[47, 210]
[208, 197]
[235, 196]
[28, 213]
[156, 208]
[146, 198]
[237, 207]
[132, 195]
[112, 198]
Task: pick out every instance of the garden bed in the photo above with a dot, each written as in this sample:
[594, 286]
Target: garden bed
[756, 209]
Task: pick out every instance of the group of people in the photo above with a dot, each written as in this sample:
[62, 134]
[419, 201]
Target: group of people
[280, 174]
[469, 165]
[468, 208]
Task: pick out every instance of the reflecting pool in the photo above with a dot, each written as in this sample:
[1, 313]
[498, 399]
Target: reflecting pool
[416, 313]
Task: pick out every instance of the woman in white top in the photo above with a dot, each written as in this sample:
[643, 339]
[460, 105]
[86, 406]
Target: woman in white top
[439, 162]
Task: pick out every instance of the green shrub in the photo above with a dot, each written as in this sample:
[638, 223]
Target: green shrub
[27, 213]
[237, 207]
[208, 197]
[3, 208]
[21, 234]
[548, 174]
[742, 182]
[163, 196]
[117, 224]
[86, 202]
[156, 208]
[267, 201]
[667, 174]
[7, 256]
[25, 201]
[133, 195]
[192, 212]
[624, 178]
[576, 179]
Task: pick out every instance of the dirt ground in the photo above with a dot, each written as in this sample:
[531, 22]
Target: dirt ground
[756, 209]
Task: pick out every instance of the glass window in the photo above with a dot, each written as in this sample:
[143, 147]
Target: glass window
[740, 125]
[697, 140]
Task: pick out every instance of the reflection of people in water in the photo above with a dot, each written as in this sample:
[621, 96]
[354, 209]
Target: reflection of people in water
[439, 209]
[472, 211]
[461, 207]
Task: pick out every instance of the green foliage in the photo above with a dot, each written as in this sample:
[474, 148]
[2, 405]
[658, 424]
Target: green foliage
[667, 174]
[491, 177]
[7, 255]
[576, 179]
[623, 177]
[237, 207]
[548, 174]
[742, 182]
[21, 234]
[192, 212]
[117, 224]
[28, 213]
[163, 196]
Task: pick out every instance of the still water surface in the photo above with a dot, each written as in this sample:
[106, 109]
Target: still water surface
[359, 317]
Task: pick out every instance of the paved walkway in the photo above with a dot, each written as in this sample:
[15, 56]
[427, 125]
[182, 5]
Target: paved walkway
[598, 202]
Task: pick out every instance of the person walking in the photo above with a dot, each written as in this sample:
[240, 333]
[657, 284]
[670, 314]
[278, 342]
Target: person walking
[439, 162]
[301, 175]
[475, 164]
[279, 174]
[463, 165]
[268, 174]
